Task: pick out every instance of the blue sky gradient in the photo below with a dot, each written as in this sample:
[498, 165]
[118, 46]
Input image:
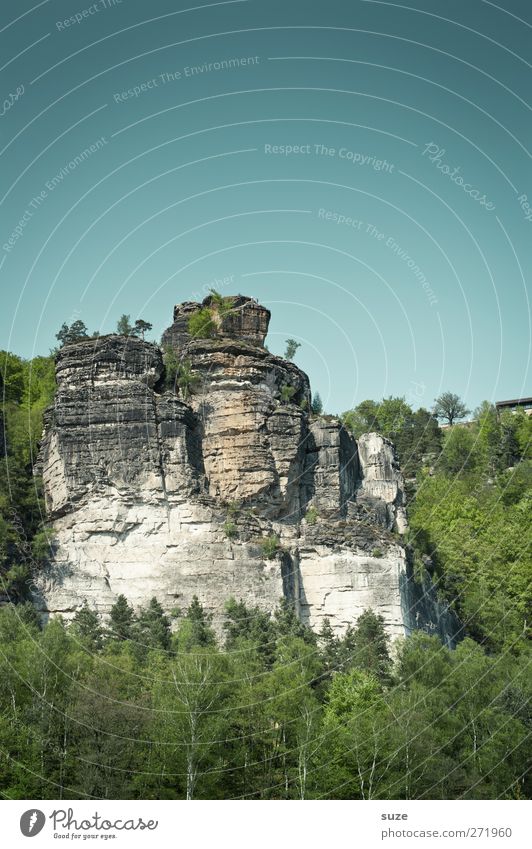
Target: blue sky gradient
[362, 168]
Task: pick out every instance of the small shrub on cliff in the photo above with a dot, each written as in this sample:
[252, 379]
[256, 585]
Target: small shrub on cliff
[201, 324]
[186, 379]
[287, 393]
[291, 349]
[377, 552]
[270, 546]
[311, 516]
[230, 529]
[222, 305]
[171, 365]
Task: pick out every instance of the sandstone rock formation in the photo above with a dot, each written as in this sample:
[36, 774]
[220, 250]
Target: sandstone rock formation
[140, 484]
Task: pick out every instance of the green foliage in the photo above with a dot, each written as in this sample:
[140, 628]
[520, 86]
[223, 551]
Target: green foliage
[154, 627]
[459, 451]
[291, 349]
[28, 387]
[186, 379]
[277, 715]
[316, 406]
[249, 629]
[179, 374]
[141, 327]
[74, 333]
[371, 645]
[133, 711]
[270, 546]
[171, 368]
[13, 377]
[201, 324]
[416, 435]
[230, 529]
[121, 620]
[87, 628]
[377, 552]
[363, 419]
[478, 533]
[287, 393]
[223, 306]
[124, 326]
[450, 407]
[311, 516]
[195, 629]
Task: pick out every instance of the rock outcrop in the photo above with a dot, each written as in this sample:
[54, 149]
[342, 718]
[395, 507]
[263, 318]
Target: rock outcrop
[153, 493]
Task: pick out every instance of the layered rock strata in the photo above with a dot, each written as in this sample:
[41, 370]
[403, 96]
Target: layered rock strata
[153, 493]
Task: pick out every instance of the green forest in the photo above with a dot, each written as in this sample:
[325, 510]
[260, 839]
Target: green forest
[152, 706]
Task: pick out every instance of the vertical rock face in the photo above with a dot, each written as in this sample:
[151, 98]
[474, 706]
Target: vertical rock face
[381, 481]
[140, 482]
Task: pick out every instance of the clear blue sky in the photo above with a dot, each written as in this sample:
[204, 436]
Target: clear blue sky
[234, 137]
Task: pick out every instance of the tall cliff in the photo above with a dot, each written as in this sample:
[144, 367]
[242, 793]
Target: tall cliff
[227, 488]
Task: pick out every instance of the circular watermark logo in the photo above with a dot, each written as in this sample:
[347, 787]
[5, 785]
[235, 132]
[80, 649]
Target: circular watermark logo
[32, 822]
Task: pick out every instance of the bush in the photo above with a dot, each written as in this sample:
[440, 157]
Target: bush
[287, 393]
[222, 305]
[201, 324]
[311, 516]
[230, 529]
[377, 552]
[171, 368]
[270, 546]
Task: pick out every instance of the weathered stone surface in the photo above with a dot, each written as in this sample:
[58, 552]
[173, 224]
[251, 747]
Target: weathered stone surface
[252, 441]
[381, 481]
[138, 484]
[332, 466]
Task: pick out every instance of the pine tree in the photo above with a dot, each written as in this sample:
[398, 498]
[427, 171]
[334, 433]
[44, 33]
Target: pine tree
[141, 328]
[122, 620]
[328, 644]
[317, 405]
[195, 629]
[154, 626]
[87, 626]
[370, 645]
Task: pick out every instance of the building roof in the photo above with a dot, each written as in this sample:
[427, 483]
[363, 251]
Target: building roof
[514, 402]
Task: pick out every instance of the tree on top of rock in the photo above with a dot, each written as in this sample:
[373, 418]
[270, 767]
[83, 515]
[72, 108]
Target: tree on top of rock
[124, 326]
[141, 328]
[66, 334]
[291, 349]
